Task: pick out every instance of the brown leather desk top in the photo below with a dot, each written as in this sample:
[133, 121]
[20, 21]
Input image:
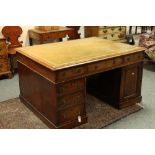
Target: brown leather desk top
[71, 53]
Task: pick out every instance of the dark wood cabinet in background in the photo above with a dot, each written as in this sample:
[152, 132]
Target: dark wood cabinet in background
[4, 60]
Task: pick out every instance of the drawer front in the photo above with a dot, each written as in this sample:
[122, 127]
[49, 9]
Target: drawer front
[34, 35]
[46, 36]
[112, 29]
[112, 33]
[71, 113]
[99, 66]
[70, 73]
[134, 57]
[4, 67]
[71, 100]
[71, 87]
[4, 57]
[113, 36]
[2, 43]
[3, 51]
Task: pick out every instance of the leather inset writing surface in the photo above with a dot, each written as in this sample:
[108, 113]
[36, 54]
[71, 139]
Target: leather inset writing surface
[66, 54]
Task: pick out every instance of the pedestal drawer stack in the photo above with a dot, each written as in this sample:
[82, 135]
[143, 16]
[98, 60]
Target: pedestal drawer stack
[71, 101]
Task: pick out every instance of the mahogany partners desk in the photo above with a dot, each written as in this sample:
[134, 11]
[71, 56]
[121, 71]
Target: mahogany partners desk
[43, 36]
[52, 77]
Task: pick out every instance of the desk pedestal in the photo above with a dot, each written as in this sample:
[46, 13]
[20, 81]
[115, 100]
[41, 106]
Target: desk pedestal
[58, 105]
[120, 87]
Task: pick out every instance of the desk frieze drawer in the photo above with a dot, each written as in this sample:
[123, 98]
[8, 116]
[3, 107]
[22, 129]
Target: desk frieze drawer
[70, 73]
[71, 87]
[71, 100]
[99, 66]
[46, 37]
[72, 113]
[62, 34]
[33, 35]
[133, 57]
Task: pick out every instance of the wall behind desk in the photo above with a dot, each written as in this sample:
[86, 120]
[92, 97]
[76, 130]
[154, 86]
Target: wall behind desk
[24, 36]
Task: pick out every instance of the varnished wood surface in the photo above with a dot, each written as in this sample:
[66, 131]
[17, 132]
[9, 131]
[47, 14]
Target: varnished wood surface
[120, 87]
[115, 33]
[58, 95]
[12, 33]
[4, 60]
[44, 36]
[57, 30]
[66, 54]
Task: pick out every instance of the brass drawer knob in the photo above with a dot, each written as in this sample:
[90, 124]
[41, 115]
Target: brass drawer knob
[132, 73]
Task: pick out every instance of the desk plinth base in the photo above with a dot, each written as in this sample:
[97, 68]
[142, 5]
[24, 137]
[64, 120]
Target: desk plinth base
[67, 125]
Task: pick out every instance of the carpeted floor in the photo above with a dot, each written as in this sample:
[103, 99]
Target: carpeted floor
[15, 115]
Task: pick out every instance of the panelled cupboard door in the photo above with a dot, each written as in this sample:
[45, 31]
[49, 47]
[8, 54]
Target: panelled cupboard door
[131, 81]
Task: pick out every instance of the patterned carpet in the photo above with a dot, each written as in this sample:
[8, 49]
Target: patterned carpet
[15, 115]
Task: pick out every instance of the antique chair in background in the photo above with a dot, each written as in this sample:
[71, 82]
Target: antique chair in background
[76, 29]
[148, 41]
[12, 34]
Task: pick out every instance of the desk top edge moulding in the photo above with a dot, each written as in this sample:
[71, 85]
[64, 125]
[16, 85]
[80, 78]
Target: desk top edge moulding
[55, 77]
[57, 56]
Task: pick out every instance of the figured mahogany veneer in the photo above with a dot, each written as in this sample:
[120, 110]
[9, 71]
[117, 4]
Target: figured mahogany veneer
[12, 33]
[4, 60]
[55, 89]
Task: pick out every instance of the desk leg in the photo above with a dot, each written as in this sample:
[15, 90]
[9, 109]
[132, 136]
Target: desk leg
[60, 39]
[75, 34]
[31, 41]
[12, 64]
